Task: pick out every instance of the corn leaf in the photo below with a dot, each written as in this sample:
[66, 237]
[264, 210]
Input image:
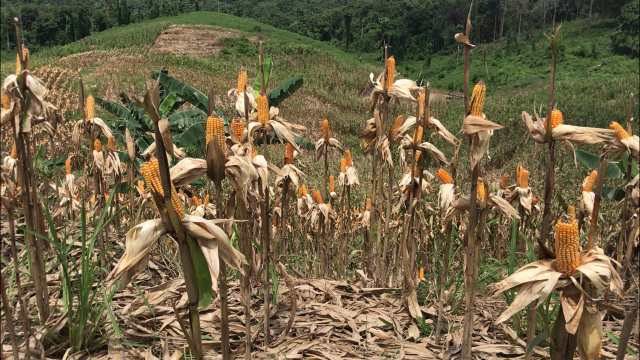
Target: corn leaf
[257, 82]
[284, 90]
[201, 269]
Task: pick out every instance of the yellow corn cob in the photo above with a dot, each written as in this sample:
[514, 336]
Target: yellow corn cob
[567, 246]
[317, 197]
[621, 133]
[302, 191]
[444, 176]
[111, 143]
[557, 118]
[67, 166]
[90, 107]
[589, 181]
[18, 64]
[6, 101]
[417, 136]
[421, 273]
[237, 129]
[343, 165]
[263, 109]
[422, 96]
[504, 181]
[288, 153]
[214, 130]
[390, 66]
[477, 99]
[14, 151]
[97, 145]
[242, 80]
[325, 129]
[481, 191]
[332, 184]
[522, 177]
[348, 159]
[151, 174]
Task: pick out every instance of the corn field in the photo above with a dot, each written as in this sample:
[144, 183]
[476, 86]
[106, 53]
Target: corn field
[180, 224]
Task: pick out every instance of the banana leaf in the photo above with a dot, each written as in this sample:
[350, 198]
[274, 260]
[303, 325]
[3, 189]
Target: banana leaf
[257, 82]
[284, 90]
[187, 92]
[591, 161]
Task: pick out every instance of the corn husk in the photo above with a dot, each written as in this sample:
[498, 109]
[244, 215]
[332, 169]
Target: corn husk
[575, 134]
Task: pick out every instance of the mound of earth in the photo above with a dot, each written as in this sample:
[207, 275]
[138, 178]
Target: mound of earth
[194, 41]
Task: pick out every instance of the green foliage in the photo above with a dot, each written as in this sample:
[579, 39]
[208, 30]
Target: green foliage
[592, 161]
[284, 90]
[80, 297]
[626, 39]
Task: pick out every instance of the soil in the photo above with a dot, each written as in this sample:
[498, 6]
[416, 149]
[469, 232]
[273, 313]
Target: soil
[195, 41]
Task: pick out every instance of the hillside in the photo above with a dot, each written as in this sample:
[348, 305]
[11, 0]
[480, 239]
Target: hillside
[343, 302]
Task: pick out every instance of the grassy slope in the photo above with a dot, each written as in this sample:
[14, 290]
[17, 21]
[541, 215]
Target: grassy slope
[593, 84]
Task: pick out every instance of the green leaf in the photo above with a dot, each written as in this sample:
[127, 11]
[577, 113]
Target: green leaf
[257, 82]
[167, 104]
[183, 120]
[201, 269]
[286, 89]
[192, 140]
[192, 95]
[592, 161]
[114, 108]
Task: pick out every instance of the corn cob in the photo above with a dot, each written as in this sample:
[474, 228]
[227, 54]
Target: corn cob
[242, 80]
[589, 181]
[317, 197]
[325, 129]
[504, 181]
[444, 176]
[390, 72]
[302, 191]
[288, 153]
[620, 132]
[421, 273]
[567, 246]
[90, 107]
[111, 143]
[481, 192]
[67, 166]
[97, 145]
[151, 174]
[477, 99]
[237, 129]
[263, 109]
[14, 151]
[332, 184]
[348, 158]
[6, 102]
[557, 118]
[18, 64]
[343, 165]
[522, 177]
[214, 130]
[368, 205]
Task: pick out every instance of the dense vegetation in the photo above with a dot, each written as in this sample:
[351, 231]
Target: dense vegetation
[415, 29]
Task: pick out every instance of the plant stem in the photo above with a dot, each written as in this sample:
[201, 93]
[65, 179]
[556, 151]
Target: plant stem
[602, 175]
[266, 244]
[223, 288]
